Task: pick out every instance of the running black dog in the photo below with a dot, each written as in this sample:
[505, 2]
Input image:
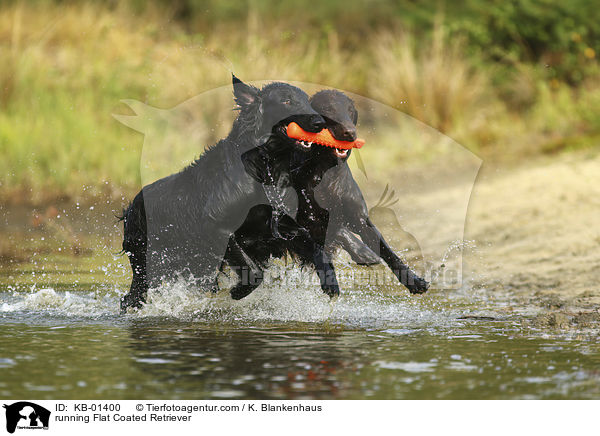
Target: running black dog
[341, 117]
[290, 222]
[339, 194]
[329, 207]
[181, 224]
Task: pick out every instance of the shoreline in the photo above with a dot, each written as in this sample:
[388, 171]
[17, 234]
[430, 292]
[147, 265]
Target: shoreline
[532, 225]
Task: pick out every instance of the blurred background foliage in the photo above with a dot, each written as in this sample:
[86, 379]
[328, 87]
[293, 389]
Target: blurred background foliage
[507, 79]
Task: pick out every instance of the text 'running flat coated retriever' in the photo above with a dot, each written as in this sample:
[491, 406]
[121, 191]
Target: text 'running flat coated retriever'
[190, 223]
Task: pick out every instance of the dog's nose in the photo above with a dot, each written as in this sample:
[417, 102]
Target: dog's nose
[349, 134]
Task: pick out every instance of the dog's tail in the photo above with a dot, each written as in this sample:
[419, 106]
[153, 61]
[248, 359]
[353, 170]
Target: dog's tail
[122, 217]
[134, 225]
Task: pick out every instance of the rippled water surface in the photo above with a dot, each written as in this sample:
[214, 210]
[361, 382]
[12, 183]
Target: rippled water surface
[62, 337]
[69, 343]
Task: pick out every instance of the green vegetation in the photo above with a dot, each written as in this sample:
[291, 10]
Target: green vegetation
[505, 78]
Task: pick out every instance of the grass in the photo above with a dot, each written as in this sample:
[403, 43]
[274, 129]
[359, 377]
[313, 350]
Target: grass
[430, 81]
[67, 66]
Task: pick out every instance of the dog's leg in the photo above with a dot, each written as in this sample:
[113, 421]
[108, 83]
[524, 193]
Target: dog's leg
[249, 273]
[313, 253]
[139, 283]
[358, 251]
[375, 241]
[135, 242]
[326, 272]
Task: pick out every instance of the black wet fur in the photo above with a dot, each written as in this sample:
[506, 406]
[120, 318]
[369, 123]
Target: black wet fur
[180, 225]
[329, 208]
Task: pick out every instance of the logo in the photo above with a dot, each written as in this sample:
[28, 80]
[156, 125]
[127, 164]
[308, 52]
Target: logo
[26, 415]
[396, 147]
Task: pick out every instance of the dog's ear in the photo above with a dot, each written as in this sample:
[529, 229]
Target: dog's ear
[245, 95]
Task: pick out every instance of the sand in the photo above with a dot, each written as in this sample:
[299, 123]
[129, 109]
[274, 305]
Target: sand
[538, 227]
[532, 233]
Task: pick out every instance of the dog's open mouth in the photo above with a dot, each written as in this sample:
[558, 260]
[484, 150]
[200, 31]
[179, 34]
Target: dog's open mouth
[306, 139]
[304, 144]
[340, 152]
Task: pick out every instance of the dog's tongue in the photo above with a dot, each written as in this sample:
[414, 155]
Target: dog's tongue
[324, 137]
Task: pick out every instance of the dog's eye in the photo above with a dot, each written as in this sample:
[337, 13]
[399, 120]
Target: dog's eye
[287, 101]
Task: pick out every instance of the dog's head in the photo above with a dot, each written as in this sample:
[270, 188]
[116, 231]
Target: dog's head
[339, 113]
[273, 107]
[340, 116]
[305, 162]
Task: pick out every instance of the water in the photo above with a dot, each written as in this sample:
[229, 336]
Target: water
[285, 341]
[61, 335]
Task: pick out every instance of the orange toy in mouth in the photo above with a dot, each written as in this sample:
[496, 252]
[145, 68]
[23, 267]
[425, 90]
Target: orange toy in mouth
[324, 137]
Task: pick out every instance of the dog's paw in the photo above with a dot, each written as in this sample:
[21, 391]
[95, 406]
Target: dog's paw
[240, 291]
[331, 290]
[128, 301]
[419, 286]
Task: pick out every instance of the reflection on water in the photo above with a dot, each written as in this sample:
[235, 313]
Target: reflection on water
[57, 345]
[61, 337]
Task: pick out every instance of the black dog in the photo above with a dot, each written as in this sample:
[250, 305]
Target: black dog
[289, 173]
[341, 117]
[181, 224]
[339, 194]
[322, 182]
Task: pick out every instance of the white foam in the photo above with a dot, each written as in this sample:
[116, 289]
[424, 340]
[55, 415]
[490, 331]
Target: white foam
[407, 366]
[62, 303]
[289, 294]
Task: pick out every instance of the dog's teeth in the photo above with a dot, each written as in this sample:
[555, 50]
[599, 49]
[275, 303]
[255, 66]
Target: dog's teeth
[310, 143]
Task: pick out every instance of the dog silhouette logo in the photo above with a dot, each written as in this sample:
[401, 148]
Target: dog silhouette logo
[26, 415]
[385, 217]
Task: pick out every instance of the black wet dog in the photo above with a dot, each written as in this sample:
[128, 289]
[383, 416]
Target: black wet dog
[326, 209]
[339, 194]
[291, 221]
[341, 118]
[181, 224]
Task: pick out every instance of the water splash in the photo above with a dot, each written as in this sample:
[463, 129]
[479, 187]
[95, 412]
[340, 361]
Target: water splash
[288, 294]
[51, 302]
[450, 261]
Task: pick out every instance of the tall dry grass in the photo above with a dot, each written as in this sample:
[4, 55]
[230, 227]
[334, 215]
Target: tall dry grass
[433, 81]
[66, 67]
